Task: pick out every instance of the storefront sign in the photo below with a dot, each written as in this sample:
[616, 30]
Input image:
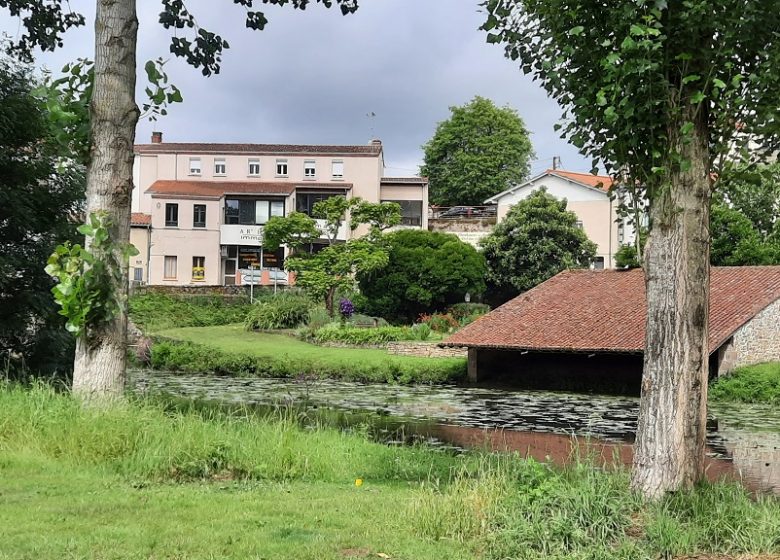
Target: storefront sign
[241, 235]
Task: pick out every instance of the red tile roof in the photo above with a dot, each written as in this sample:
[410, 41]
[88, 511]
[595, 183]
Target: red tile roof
[141, 220]
[258, 149]
[603, 182]
[604, 310]
[217, 189]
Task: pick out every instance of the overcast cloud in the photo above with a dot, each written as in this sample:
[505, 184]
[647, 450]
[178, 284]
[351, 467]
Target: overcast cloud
[313, 77]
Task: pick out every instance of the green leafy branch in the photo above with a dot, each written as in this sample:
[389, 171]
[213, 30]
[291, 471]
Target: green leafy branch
[87, 278]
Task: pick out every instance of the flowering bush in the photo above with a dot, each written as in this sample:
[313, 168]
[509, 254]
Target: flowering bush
[440, 322]
[346, 309]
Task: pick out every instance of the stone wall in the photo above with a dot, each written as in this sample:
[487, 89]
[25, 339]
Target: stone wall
[424, 350]
[759, 339]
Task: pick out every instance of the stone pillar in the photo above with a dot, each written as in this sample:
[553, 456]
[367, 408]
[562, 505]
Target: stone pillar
[472, 365]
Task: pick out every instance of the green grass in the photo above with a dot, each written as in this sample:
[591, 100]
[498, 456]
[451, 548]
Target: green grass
[142, 480]
[751, 384]
[231, 349]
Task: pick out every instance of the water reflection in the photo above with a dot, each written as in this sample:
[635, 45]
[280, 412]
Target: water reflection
[743, 440]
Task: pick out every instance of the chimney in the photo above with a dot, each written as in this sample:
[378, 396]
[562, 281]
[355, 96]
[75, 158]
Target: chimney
[376, 142]
[156, 137]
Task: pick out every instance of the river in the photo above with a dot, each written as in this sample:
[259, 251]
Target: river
[743, 441]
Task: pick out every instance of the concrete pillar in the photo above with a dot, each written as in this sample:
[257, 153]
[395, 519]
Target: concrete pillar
[472, 365]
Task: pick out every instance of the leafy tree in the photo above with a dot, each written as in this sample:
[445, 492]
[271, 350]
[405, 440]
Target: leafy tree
[426, 271]
[40, 203]
[99, 368]
[736, 241]
[478, 152]
[294, 230]
[324, 273]
[755, 192]
[660, 93]
[538, 239]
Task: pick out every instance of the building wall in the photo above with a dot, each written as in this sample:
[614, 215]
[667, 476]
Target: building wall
[593, 207]
[758, 340]
[139, 237]
[185, 242]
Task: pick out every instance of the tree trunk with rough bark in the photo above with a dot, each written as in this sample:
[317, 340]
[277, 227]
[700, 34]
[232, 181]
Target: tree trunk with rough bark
[669, 449]
[99, 368]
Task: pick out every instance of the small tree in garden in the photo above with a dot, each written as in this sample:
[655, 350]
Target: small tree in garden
[538, 239]
[737, 242]
[478, 152]
[322, 274]
[426, 271]
[661, 93]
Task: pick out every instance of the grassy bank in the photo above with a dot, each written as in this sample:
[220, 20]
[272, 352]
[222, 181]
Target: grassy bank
[751, 384]
[153, 312]
[230, 349]
[142, 481]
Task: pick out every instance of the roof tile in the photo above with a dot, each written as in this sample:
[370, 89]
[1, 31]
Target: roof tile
[604, 310]
[217, 189]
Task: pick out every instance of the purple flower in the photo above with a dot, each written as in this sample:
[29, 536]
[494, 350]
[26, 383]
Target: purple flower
[346, 308]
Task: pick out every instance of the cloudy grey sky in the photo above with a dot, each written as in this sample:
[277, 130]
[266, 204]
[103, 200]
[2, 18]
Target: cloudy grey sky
[314, 76]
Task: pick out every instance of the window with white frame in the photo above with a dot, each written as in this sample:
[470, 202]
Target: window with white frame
[194, 166]
[281, 168]
[309, 169]
[220, 167]
[169, 270]
[338, 169]
[254, 167]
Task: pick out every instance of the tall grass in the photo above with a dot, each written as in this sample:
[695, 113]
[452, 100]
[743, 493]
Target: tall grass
[751, 384]
[513, 508]
[148, 440]
[153, 312]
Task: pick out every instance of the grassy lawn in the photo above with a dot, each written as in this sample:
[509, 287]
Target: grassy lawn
[280, 355]
[51, 512]
[751, 384]
[141, 480]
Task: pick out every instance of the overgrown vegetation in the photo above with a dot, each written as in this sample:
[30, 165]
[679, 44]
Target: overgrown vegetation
[155, 311]
[750, 384]
[368, 336]
[285, 310]
[266, 487]
[230, 350]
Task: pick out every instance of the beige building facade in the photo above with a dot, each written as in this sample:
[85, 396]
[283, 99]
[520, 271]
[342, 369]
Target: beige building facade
[589, 198]
[207, 204]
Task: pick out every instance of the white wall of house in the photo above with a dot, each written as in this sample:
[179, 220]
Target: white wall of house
[597, 213]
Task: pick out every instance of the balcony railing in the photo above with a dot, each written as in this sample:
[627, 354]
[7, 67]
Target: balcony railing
[462, 212]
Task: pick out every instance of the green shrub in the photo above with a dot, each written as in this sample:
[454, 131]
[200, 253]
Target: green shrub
[318, 318]
[285, 310]
[468, 311]
[362, 337]
[189, 357]
[161, 311]
[751, 384]
[421, 331]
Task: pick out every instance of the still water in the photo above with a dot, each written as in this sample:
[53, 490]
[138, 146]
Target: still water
[743, 440]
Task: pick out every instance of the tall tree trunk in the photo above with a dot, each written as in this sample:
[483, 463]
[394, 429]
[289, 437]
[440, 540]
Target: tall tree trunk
[99, 368]
[669, 450]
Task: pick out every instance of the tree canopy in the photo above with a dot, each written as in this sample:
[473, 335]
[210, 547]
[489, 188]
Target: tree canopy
[426, 271]
[536, 240]
[478, 152]
[40, 205]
